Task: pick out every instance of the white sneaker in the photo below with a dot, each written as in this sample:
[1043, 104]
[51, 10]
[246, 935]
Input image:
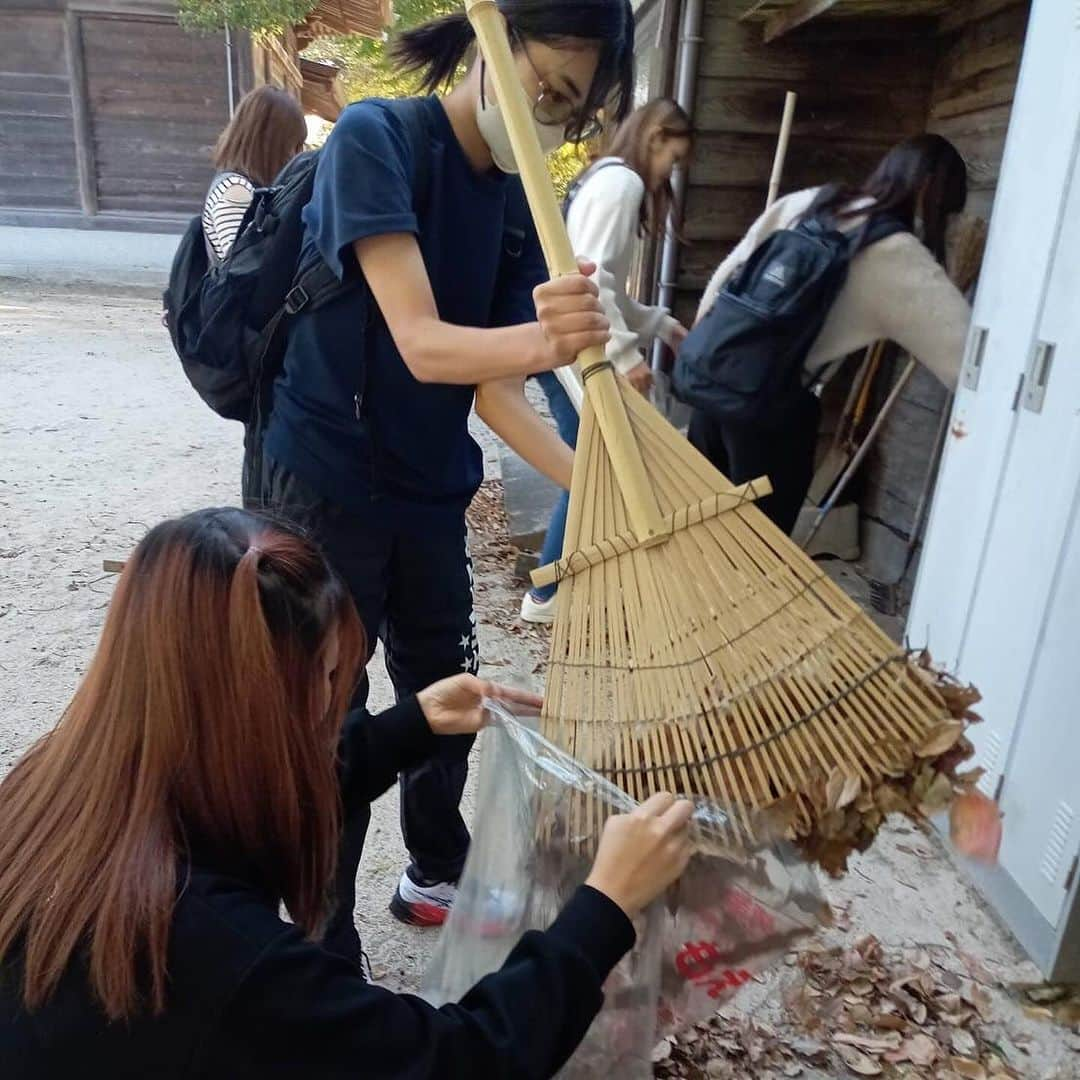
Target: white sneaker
[420, 904]
[538, 611]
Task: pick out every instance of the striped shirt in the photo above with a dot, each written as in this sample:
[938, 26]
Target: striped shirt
[224, 209]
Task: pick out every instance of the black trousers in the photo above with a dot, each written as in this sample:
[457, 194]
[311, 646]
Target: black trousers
[784, 455]
[413, 590]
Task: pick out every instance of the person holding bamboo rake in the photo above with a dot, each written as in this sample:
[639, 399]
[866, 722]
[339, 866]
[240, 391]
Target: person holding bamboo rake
[367, 445]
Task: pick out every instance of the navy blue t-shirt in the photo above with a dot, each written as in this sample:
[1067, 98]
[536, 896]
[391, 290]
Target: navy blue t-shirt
[349, 419]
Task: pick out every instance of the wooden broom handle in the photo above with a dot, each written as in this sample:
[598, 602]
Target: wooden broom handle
[600, 386]
[790, 98]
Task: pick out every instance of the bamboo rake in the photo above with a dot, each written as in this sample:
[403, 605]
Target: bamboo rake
[696, 649]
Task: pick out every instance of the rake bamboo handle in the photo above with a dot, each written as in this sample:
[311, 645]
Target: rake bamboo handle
[600, 386]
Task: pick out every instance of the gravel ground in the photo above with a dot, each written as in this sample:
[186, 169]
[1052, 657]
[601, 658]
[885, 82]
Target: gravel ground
[100, 437]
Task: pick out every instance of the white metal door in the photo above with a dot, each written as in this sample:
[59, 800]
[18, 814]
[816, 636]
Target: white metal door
[978, 609]
[1029, 603]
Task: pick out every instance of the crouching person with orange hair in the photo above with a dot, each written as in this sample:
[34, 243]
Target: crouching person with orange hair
[193, 786]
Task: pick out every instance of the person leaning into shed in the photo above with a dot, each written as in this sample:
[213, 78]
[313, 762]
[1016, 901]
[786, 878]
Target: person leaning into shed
[897, 290]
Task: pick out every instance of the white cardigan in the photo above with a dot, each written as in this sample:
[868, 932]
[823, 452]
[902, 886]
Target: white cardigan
[603, 227]
[896, 290]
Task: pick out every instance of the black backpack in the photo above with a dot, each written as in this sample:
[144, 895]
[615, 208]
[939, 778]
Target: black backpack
[226, 318]
[743, 363]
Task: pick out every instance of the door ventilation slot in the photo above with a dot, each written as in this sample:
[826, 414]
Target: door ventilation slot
[1057, 844]
[990, 759]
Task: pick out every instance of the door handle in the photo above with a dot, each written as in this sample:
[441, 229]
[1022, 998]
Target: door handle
[969, 376]
[1038, 375]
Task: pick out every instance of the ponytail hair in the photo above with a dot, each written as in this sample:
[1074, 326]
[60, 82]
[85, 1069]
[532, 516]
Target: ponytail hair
[202, 728]
[437, 49]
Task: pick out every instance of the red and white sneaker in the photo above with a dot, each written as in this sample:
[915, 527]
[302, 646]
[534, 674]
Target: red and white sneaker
[422, 904]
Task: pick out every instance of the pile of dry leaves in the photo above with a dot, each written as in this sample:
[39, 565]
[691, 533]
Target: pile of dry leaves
[860, 1011]
[496, 590]
[841, 813]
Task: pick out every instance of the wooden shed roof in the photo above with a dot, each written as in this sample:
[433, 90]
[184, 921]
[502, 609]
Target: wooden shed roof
[321, 92]
[780, 16]
[332, 17]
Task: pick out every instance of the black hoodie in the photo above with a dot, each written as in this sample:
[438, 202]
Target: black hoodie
[249, 996]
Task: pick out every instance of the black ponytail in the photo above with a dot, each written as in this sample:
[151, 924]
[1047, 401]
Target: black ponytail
[438, 48]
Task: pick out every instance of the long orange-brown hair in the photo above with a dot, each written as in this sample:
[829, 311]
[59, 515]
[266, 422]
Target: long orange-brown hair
[202, 720]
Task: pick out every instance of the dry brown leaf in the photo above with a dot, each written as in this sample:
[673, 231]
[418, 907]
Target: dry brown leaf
[966, 1067]
[661, 1051]
[887, 1022]
[1045, 994]
[1038, 1012]
[860, 1015]
[871, 1046]
[970, 777]
[981, 1000]
[919, 1050]
[858, 1062]
[842, 789]
[915, 1009]
[956, 1019]
[937, 796]
[941, 738]
[963, 1042]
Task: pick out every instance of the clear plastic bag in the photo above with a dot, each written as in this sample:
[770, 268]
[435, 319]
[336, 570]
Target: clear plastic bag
[726, 919]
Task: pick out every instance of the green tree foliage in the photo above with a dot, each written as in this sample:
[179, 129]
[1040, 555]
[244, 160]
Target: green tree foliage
[258, 16]
[368, 72]
[365, 61]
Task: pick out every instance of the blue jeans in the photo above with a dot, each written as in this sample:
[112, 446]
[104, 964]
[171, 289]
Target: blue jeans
[566, 420]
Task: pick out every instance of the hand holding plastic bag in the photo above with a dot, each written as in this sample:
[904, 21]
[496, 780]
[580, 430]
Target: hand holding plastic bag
[538, 817]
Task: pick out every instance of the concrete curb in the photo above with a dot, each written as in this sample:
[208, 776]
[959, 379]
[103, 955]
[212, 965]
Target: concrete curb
[84, 257]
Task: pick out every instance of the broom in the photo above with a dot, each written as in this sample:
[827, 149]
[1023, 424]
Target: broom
[695, 648]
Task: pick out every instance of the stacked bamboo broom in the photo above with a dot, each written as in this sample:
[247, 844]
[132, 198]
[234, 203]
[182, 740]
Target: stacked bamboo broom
[696, 649]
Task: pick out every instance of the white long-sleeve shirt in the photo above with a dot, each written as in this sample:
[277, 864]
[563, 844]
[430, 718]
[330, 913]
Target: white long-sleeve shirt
[603, 225]
[895, 290]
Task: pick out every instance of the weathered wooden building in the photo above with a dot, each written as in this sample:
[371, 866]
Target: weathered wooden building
[868, 73]
[109, 109]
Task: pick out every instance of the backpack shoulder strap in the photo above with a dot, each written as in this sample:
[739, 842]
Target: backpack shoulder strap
[877, 227]
[579, 181]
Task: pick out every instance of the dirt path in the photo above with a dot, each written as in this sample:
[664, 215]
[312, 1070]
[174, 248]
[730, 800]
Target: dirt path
[100, 437]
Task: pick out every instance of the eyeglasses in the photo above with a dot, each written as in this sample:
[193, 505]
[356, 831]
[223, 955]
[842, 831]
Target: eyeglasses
[550, 107]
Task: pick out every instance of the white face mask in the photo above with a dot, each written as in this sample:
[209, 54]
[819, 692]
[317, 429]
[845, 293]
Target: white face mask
[493, 129]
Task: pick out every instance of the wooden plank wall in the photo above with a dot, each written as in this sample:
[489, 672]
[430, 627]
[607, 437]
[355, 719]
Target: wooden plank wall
[863, 84]
[37, 147]
[157, 102]
[980, 45]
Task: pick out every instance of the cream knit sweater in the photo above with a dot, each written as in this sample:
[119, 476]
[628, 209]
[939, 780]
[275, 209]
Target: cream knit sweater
[895, 290]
